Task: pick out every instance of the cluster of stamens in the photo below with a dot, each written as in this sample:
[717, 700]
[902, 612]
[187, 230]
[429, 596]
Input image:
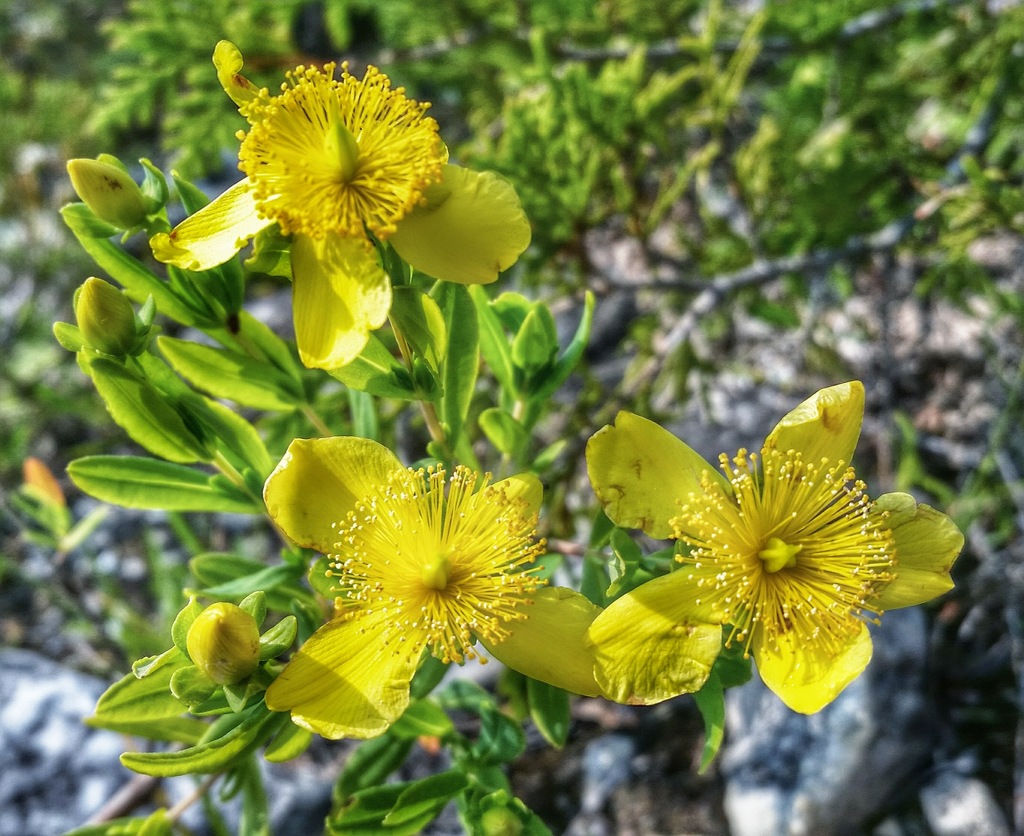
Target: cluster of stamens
[338, 156]
[442, 562]
[790, 548]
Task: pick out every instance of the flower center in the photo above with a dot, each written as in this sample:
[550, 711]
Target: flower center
[790, 547]
[446, 561]
[338, 156]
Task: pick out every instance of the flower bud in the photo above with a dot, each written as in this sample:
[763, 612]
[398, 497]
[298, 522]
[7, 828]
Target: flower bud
[110, 192]
[224, 643]
[500, 821]
[105, 317]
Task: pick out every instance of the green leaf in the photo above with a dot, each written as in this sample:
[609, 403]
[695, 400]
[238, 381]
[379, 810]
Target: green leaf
[429, 795]
[365, 813]
[462, 362]
[420, 321]
[270, 345]
[146, 706]
[493, 342]
[549, 710]
[535, 344]
[371, 763]
[143, 412]
[626, 560]
[233, 434]
[69, 336]
[423, 718]
[212, 755]
[229, 576]
[573, 352]
[289, 743]
[377, 372]
[504, 432]
[232, 375]
[137, 281]
[139, 482]
[710, 700]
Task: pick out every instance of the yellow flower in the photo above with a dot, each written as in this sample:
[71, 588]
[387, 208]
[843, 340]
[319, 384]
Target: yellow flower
[785, 548]
[420, 562]
[336, 163]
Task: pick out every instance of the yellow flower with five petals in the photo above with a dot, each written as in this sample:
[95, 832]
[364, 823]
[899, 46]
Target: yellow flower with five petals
[784, 548]
[337, 163]
[419, 561]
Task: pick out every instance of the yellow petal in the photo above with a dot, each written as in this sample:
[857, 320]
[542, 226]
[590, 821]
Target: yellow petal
[927, 544]
[825, 426]
[648, 645]
[805, 676]
[213, 234]
[471, 228]
[343, 682]
[228, 61]
[524, 486]
[550, 645]
[640, 473]
[320, 480]
[339, 294]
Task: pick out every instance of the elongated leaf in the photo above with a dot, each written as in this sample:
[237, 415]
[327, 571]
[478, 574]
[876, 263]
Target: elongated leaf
[573, 352]
[371, 763]
[504, 431]
[549, 710]
[423, 718]
[365, 813]
[426, 796]
[231, 375]
[141, 411]
[271, 345]
[129, 272]
[377, 372]
[214, 755]
[462, 362]
[233, 435]
[236, 576]
[139, 482]
[420, 321]
[493, 343]
[710, 700]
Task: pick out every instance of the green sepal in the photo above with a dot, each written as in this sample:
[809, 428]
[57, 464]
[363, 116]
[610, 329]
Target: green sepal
[183, 621]
[69, 336]
[419, 320]
[140, 482]
[191, 686]
[271, 253]
[423, 718]
[232, 375]
[625, 561]
[141, 410]
[255, 603]
[154, 186]
[549, 710]
[278, 638]
[289, 743]
[213, 755]
[462, 360]
[498, 812]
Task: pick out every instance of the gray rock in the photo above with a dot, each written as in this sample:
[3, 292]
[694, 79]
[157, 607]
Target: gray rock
[959, 805]
[831, 772]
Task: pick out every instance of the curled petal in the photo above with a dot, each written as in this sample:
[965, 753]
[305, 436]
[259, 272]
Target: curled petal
[806, 675]
[339, 294]
[825, 426]
[471, 228]
[343, 683]
[655, 642]
[927, 544]
[640, 473]
[320, 480]
[213, 234]
[549, 644]
[228, 61]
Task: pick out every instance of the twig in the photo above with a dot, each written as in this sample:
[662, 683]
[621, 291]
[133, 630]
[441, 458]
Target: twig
[133, 793]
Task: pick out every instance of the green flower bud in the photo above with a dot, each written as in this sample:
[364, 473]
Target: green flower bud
[110, 192]
[224, 643]
[500, 821]
[105, 317]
